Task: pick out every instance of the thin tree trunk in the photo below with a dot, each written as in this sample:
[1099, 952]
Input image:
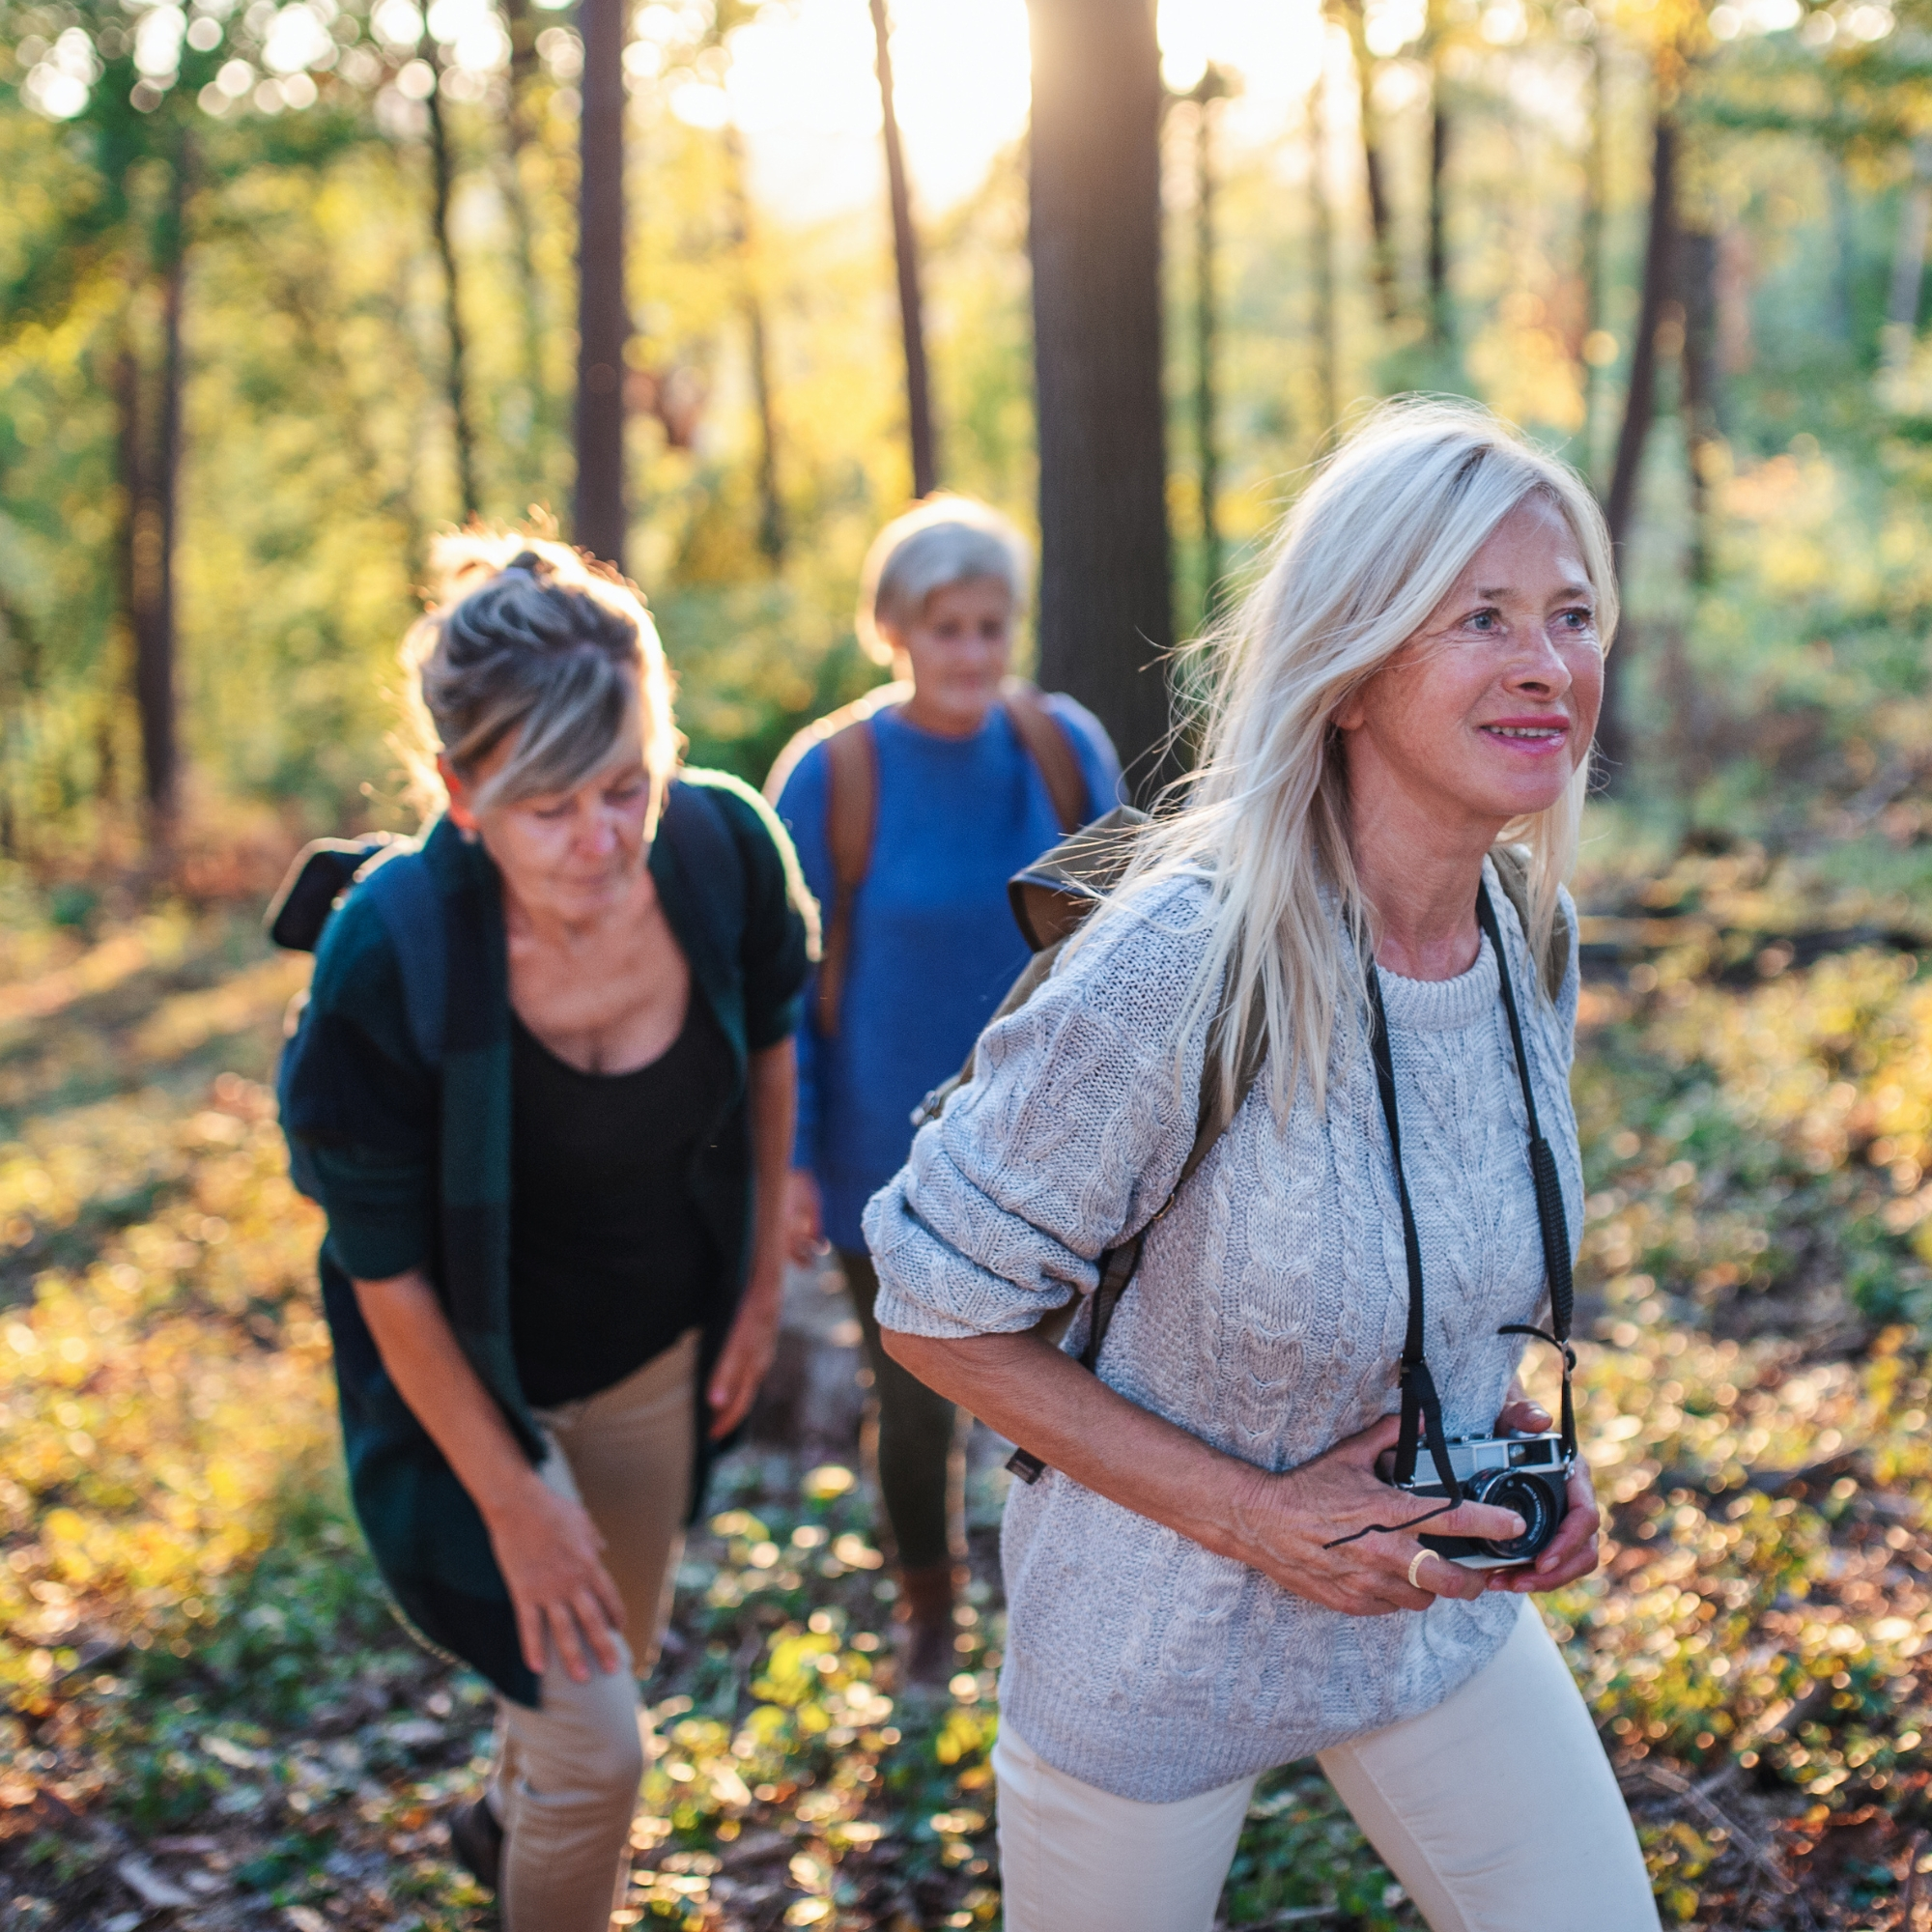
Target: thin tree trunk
[905, 253]
[602, 313]
[1206, 430]
[1322, 262]
[1908, 263]
[156, 457]
[442, 184]
[1596, 196]
[1106, 614]
[1640, 408]
[1381, 232]
[520, 142]
[122, 645]
[772, 522]
[1702, 402]
[1440, 319]
[1843, 250]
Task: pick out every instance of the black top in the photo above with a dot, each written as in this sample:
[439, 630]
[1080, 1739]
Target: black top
[610, 1261]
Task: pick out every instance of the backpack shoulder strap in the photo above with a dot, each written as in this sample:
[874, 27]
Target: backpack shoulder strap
[851, 819]
[408, 901]
[1046, 743]
[1512, 863]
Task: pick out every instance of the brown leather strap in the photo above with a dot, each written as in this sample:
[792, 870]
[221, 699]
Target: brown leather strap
[1050, 748]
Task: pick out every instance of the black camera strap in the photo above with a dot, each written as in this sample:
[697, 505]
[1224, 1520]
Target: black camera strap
[1421, 1408]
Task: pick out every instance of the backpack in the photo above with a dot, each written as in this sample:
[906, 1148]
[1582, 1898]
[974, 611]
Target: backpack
[393, 874]
[1051, 900]
[852, 803]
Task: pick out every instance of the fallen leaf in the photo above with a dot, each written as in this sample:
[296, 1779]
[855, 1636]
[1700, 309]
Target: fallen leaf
[156, 1891]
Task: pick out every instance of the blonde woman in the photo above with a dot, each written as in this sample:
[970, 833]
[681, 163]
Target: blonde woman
[1213, 1578]
[911, 810]
[555, 1231]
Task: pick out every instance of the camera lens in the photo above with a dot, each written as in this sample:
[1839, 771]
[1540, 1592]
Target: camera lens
[1531, 1501]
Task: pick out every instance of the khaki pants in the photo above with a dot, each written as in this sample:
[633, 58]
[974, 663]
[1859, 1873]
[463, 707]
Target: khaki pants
[1498, 1812]
[566, 1777]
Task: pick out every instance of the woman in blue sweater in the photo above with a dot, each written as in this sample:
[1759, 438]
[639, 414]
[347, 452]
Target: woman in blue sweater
[910, 811]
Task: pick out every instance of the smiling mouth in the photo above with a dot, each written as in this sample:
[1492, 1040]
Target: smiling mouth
[1528, 735]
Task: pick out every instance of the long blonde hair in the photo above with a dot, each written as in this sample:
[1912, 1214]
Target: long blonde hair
[1372, 547]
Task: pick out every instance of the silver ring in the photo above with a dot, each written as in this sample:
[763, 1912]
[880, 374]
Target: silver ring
[1415, 1563]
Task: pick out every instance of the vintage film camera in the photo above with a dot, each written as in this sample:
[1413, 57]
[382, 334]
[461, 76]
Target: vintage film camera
[1526, 1473]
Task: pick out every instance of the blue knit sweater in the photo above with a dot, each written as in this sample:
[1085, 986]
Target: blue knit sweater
[934, 947]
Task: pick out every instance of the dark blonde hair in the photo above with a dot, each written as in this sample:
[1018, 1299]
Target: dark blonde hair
[525, 635]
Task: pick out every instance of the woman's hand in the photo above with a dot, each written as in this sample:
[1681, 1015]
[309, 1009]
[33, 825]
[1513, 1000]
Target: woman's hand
[804, 1216]
[550, 1552]
[1288, 1523]
[746, 1357]
[1573, 1551]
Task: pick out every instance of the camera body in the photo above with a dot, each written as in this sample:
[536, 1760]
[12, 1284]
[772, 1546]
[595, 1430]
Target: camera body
[1529, 1474]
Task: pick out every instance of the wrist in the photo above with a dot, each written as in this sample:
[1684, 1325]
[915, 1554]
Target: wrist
[509, 1495]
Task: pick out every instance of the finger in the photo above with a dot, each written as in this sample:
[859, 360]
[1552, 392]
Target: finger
[529, 1636]
[1480, 1520]
[609, 1599]
[563, 1634]
[1442, 1578]
[1528, 1418]
[594, 1621]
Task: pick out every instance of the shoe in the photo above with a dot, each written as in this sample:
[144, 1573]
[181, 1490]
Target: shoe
[928, 1660]
[477, 1841]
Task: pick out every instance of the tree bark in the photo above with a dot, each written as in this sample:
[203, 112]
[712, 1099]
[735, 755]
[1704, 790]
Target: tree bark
[1213, 86]
[520, 141]
[1440, 319]
[905, 254]
[1105, 611]
[442, 184]
[1382, 230]
[1322, 251]
[603, 312]
[155, 516]
[1640, 408]
[1596, 195]
[773, 529]
[1702, 396]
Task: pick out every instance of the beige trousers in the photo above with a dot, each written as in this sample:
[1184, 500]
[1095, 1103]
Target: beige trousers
[1497, 1810]
[566, 1777]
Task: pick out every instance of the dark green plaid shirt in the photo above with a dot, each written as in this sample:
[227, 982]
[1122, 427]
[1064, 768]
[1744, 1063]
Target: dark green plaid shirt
[413, 1165]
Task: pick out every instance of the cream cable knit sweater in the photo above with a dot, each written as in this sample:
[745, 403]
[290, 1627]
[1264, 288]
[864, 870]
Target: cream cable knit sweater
[1266, 1318]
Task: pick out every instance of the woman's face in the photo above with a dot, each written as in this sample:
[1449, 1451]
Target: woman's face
[956, 651]
[572, 855]
[1488, 711]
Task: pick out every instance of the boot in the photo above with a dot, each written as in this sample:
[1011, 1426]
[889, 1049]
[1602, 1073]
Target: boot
[476, 1841]
[928, 1659]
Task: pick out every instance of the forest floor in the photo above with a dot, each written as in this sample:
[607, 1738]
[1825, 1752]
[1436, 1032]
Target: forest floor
[212, 1722]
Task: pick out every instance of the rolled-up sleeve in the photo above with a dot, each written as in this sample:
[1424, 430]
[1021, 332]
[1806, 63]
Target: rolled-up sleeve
[1068, 1137]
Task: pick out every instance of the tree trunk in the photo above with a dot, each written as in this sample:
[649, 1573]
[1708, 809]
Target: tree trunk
[1908, 263]
[518, 142]
[155, 523]
[1440, 322]
[905, 253]
[1702, 400]
[1105, 615]
[603, 312]
[1322, 249]
[1206, 430]
[443, 182]
[1381, 233]
[1639, 407]
[1596, 196]
[772, 523]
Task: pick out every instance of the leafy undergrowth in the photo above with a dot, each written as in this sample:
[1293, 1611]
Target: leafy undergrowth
[211, 1712]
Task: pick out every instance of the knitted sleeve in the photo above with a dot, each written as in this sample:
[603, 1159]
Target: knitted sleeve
[1070, 1135]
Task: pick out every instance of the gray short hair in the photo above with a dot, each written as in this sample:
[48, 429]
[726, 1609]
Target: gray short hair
[525, 635]
[942, 541]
